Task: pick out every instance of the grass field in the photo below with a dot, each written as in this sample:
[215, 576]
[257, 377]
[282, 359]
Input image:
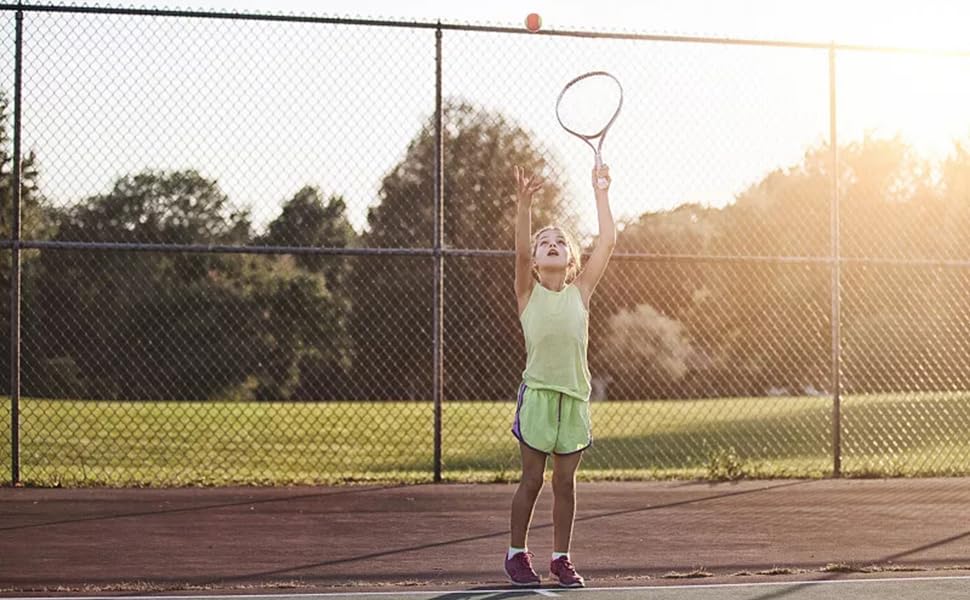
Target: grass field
[70, 442]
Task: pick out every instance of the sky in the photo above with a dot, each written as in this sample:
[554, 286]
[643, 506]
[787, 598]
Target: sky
[267, 108]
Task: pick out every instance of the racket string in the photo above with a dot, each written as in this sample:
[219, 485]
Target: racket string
[588, 104]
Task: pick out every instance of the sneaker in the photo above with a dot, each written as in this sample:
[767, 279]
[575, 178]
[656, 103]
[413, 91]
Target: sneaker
[565, 573]
[520, 571]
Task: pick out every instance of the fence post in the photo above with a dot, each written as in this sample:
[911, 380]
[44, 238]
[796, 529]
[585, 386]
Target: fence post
[437, 325]
[15, 259]
[836, 279]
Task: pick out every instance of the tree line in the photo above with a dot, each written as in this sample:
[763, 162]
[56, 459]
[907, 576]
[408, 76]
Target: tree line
[733, 300]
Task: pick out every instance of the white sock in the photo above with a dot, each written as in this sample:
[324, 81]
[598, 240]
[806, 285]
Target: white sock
[513, 551]
[556, 555]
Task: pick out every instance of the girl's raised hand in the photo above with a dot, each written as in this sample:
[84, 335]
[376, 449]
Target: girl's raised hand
[602, 173]
[525, 187]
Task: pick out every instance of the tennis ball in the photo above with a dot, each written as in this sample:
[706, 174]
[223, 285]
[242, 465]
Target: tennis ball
[533, 22]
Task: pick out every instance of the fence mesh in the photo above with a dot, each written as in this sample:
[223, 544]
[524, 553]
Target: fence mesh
[230, 265]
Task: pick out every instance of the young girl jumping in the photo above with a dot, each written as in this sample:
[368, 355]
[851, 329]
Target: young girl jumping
[552, 412]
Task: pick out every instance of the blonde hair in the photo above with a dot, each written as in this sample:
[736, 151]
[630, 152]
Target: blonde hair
[575, 256]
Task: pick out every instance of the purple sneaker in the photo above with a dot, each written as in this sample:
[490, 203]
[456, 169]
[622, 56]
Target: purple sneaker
[520, 571]
[565, 573]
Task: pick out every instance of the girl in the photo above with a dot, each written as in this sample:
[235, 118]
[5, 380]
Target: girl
[552, 412]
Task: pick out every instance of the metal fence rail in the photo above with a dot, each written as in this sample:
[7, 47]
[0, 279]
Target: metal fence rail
[276, 249]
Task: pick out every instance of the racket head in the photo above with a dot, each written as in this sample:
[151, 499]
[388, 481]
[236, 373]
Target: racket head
[589, 104]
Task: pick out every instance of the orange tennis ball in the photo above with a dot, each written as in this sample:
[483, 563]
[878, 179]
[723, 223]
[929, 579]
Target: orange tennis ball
[533, 22]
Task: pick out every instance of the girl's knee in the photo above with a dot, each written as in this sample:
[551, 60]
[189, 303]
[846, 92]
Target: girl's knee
[533, 485]
[564, 483]
[531, 482]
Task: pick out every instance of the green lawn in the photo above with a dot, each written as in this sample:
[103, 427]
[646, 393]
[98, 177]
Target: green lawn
[217, 443]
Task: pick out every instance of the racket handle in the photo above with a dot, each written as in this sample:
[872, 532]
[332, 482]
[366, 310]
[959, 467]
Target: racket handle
[601, 182]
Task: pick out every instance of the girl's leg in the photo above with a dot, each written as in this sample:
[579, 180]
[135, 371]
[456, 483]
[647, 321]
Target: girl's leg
[524, 501]
[564, 498]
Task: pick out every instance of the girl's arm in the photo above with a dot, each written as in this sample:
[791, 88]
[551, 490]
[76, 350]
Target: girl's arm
[596, 265]
[525, 188]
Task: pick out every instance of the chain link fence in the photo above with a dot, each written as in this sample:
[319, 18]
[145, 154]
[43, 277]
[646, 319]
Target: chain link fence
[277, 249]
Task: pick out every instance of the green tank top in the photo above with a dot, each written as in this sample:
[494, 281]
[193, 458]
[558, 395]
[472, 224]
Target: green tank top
[556, 329]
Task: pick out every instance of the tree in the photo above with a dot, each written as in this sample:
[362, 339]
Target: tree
[392, 298]
[128, 323]
[905, 320]
[37, 221]
[757, 325]
[300, 348]
[181, 325]
[307, 221]
[318, 352]
[648, 354]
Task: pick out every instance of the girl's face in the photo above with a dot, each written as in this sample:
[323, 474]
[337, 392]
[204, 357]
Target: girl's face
[552, 250]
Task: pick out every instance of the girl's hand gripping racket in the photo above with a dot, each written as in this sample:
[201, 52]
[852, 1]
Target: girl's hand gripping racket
[587, 107]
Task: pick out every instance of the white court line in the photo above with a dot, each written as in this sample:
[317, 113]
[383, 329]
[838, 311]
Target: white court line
[540, 591]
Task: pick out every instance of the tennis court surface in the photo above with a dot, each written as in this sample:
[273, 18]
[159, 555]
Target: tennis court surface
[900, 538]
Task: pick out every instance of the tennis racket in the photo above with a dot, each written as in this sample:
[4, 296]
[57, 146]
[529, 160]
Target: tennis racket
[587, 107]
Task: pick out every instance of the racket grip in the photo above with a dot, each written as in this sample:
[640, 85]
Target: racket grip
[601, 182]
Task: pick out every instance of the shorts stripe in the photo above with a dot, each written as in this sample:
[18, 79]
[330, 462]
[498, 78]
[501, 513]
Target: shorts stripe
[516, 428]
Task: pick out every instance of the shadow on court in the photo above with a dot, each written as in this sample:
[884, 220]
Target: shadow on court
[455, 535]
[192, 507]
[497, 535]
[471, 594]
